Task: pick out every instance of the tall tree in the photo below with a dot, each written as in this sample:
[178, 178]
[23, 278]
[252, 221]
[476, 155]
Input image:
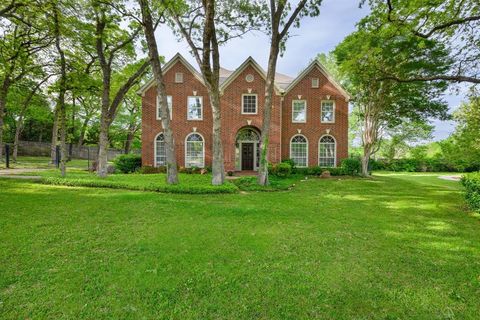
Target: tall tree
[280, 16]
[383, 103]
[19, 48]
[454, 24]
[112, 44]
[205, 25]
[149, 29]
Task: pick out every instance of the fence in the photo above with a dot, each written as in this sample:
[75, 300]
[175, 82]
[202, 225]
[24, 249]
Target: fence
[31, 148]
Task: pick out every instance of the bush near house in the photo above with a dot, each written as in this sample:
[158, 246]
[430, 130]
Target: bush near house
[351, 166]
[471, 182]
[128, 163]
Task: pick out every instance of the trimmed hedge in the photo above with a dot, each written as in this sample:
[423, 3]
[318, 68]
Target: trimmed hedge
[185, 188]
[471, 182]
[412, 165]
[128, 163]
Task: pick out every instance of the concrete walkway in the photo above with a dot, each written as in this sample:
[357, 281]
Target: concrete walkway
[451, 178]
[19, 173]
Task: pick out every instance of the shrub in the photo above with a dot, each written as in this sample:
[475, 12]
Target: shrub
[471, 182]
[281, 169]
[152, 170]
[128, 163]
[351, 166]
[315, 171]
[335, 171]
[290, 162]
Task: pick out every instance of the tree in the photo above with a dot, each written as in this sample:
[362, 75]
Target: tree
[19, 48]
[113, 44]
[454, 24]
[382, 103]
[149, 28]
[279, 18]
[205, 25]
[400, 139]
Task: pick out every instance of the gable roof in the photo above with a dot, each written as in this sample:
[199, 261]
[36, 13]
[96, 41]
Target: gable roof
[316, 64]
[249, 61]
[176, 58]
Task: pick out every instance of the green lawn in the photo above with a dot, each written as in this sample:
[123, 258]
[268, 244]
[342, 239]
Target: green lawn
[398, 246]
[24, 162]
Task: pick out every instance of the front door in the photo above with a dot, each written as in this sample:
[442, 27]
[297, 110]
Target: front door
[247, 156]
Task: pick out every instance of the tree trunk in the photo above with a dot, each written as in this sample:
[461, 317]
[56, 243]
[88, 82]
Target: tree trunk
[3, 102]
[262, 176]
[172, 174]
[128, 141]
[61, 94]
[53, 146]
[218, 166]
[18, 132]
[103, 136]
[83, 130]
[369, 137]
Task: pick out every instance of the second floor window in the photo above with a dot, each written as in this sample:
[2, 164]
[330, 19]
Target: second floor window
[159, 108]
[195, 108]
[249, 103]
[299, 111]
[328, 112]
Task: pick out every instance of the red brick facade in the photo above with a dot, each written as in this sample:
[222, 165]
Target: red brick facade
[233, 87]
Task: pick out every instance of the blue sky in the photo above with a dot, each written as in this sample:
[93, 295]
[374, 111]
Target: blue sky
[316, 35]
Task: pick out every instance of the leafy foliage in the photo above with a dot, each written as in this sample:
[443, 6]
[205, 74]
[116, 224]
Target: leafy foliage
[471, 182]
[128, 163]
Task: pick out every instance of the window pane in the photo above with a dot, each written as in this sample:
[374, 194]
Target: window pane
[194, 151]
[194, 111]
[161, 157]
[326, 152]
[299, 151]
[299, 111]
[327, 111]
[249, 103]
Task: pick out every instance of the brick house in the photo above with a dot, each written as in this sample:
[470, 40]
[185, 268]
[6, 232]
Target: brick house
[309, 119]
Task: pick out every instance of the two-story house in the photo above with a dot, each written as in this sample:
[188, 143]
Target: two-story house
[309, 119]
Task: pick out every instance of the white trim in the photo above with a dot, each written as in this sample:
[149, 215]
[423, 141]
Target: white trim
[256, 102]
[169, 110]
[178, 77]
[318, 83]
[290, 155]
[201, 100]
[317, 64]
[335, 153]
[321, 111]
[155, 149]
[203, 151]
[293, 103]
[239, 70]
[176, 58]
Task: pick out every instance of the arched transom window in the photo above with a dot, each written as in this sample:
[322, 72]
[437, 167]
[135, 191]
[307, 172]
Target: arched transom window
[299, 150]
[160, 154]
[327, 152]
[194, 151]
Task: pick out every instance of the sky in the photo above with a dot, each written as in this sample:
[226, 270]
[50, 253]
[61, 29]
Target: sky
[315, 35]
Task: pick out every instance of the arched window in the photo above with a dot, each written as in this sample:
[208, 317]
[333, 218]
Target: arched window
[194, 151]
[299, 150]
[160, 153]
[327, 150]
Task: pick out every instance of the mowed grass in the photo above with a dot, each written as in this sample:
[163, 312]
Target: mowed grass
[398, 246]
[25, 162]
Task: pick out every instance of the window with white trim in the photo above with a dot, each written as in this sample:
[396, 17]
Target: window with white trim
[249, 103]
[327, 151]
[194, 151]
[299, 111]
[328, 112]
[315, 82]
[178, 77]
[299, 150]
[159, 108]
[160, 152]
[195, 108]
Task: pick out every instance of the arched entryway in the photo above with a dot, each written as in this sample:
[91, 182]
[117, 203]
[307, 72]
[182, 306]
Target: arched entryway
[247, 151]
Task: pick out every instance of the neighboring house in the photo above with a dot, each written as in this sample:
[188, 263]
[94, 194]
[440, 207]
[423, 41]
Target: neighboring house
[309, 118]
